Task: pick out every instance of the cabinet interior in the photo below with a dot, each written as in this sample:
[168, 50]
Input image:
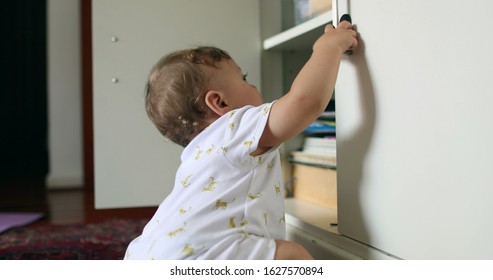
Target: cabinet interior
[286, 48]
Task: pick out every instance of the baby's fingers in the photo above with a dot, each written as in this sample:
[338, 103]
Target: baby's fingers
[328, 27]
[342, 25]
[345, 25]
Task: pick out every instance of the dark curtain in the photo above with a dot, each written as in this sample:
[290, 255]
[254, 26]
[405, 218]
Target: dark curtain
[23, 91]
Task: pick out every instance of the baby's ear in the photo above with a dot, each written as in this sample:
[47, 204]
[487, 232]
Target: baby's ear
[215, 100]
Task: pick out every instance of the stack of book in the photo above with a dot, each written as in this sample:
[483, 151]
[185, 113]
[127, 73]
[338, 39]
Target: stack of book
[320, 152]
[319, 148]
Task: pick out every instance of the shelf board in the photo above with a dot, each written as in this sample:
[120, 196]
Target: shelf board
[320, 223]
[300, 37]
[305, 214]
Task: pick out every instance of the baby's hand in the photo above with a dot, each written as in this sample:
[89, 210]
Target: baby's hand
[342, 37]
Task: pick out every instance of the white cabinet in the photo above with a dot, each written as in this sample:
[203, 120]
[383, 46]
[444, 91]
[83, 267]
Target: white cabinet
[414, 132]
[414, 143]
[134, 165]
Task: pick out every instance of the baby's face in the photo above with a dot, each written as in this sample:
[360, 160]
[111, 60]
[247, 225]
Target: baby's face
[232, 82]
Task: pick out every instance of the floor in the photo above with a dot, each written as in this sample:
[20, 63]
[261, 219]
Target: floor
[62, 206]
[66, 206]
[77, 206]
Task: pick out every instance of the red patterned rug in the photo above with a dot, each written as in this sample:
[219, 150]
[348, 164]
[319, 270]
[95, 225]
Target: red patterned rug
[107, 240]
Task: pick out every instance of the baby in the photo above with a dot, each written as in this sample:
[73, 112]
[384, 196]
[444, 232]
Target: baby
[228, 200]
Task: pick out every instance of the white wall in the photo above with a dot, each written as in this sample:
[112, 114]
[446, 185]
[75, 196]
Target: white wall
[64, 94]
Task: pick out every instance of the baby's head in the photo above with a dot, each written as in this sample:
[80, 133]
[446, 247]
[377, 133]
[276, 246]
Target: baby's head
[175, 92]
[189, 89]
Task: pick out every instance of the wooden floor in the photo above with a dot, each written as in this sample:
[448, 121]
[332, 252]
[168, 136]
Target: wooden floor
[67, 206]
[77, 205]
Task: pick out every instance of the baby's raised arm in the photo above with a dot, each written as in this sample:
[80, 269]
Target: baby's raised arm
[311, 90]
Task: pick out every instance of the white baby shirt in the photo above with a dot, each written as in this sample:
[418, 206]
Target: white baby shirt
[225, 204]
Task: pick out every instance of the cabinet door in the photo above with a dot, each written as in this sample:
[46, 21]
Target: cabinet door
[414, 129]
[134, 165]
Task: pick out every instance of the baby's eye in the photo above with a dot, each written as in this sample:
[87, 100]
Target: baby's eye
[245, 77]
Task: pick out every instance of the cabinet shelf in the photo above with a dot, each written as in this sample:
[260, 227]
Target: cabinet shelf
[309, 214]
[300, 37]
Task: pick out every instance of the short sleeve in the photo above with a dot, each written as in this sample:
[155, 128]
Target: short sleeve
[244, 127]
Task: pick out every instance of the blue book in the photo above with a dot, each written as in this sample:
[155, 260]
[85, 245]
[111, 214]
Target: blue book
[320, 127]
